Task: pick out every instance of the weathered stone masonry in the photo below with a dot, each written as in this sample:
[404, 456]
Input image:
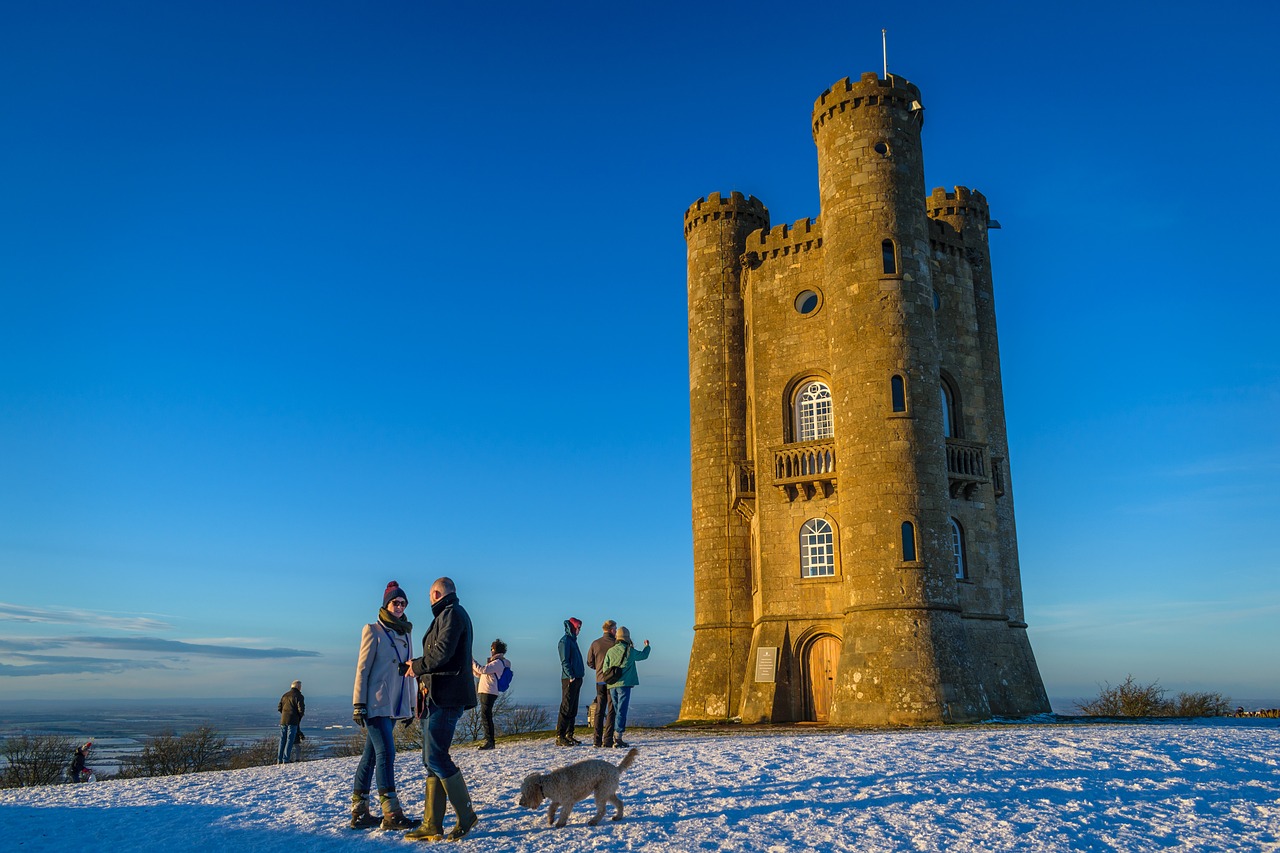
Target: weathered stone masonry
[855, 558]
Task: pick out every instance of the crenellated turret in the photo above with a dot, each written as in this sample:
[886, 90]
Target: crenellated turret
[715, 230]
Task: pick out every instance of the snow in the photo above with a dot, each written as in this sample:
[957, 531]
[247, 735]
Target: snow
[1086, 786]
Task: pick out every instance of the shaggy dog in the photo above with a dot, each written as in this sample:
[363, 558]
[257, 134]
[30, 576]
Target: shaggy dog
[570, 785]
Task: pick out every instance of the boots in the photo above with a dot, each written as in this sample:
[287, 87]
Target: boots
[360, 816]
[432, 828]
[456, 788]
[392, 815]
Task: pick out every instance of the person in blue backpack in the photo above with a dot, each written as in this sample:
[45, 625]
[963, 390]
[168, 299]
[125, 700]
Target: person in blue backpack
[492, 675]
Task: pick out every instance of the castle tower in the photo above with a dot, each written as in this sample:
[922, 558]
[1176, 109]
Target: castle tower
[715, 231]
[852, 514]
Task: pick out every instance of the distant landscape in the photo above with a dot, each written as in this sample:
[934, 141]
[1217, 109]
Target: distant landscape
[119, 727]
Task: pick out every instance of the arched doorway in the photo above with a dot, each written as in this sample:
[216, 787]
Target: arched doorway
[820, 659]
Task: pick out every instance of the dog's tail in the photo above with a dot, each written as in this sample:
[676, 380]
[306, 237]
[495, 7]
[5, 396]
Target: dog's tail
[628, 758]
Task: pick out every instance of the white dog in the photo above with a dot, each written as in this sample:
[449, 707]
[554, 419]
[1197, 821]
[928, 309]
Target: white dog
[570, 785]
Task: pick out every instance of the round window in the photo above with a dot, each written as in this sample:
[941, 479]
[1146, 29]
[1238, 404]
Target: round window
[882, 148]
[807, 302]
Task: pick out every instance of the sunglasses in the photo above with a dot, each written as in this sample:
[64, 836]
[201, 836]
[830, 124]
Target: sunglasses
[399, 602]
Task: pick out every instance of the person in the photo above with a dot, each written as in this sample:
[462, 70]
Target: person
[623, 655]
[571, 672]
[292, 707]
[77, 770]
[488, 686]
[444, 677]
[382, 696]
[603, 733]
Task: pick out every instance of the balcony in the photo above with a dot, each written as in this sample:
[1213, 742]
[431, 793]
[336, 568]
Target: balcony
[967, 467]
[805, 470]
[742, 488]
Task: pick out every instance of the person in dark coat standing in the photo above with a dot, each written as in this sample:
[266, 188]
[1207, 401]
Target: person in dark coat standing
[571, 672]
[444, 677]
[292, 707]
[603, 734]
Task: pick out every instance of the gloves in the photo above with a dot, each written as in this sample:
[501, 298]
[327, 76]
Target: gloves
[360, 714]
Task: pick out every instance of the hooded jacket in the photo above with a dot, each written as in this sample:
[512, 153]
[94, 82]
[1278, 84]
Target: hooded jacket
[571, 665]
[624, 649]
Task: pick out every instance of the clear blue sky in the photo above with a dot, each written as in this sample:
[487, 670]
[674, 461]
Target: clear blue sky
[297, 298]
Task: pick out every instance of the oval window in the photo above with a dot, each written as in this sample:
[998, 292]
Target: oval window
[807, 302]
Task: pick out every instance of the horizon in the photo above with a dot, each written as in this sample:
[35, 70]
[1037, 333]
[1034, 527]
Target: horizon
[296, 299]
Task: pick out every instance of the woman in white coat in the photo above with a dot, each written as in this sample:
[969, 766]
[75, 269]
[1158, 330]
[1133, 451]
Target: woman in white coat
[487, 690]
[383, 695]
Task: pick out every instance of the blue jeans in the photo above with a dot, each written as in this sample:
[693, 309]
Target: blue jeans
[379, 755]
[437, 737]
[288, 737]
[621, 697]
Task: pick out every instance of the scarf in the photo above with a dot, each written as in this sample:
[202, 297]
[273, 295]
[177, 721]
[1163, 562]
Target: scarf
[400, 626]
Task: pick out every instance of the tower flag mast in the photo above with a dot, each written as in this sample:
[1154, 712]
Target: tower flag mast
[884, 49]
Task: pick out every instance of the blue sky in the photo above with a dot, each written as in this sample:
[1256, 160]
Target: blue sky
[298, 298]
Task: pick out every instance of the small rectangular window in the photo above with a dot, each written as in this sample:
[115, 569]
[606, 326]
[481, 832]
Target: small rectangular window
[908, 542]
[890, 261]
[898, 391]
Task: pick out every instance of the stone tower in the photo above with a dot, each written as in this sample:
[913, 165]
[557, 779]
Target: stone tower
[855, 558]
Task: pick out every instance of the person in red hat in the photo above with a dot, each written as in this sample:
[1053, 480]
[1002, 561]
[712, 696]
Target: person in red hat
[571, 671]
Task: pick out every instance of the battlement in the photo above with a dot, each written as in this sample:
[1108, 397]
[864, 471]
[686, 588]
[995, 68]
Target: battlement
[737, 206]
[943, 234]
[803, 235]
[871, 90]
[962, 202]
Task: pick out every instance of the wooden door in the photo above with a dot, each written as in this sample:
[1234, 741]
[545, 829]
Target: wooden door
[824, 652]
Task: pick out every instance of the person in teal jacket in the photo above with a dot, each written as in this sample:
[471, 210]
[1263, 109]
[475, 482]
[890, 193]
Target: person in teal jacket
[623, 655]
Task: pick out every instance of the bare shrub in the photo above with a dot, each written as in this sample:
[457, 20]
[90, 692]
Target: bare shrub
[168, 754]
[35, 760]
[525, 718]
[508, 719]
[352, 744]
[1131, 699]
[260, 753]
[1201, 705]
[408, 738]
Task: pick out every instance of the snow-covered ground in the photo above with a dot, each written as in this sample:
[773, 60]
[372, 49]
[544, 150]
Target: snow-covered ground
[1192, 786]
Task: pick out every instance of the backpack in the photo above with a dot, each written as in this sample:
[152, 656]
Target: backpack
[614, 673]
[504, 680]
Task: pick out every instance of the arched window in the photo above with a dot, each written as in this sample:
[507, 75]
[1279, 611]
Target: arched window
[908, 542]
[817, 549]
[898, 392]
[890, 260]
[813, 412]
[950, 412]
[957, 548]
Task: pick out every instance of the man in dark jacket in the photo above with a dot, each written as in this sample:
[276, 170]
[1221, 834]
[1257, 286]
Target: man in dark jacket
[571, 672]
[292, 706]
[444, 675]
[603, 734]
